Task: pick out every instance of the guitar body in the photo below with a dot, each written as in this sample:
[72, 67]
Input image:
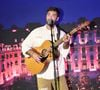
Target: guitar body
[33, 66]
[38, 67]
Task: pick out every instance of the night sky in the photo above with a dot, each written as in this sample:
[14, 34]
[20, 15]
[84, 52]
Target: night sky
[21, 12]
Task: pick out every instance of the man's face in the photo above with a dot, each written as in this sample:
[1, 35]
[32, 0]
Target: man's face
[52, 15]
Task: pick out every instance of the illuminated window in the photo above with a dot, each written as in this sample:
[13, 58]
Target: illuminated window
[90, 42]
[2, 57]
[82, 35]
[76, 49]
[2, 68]
[76, 58]
[84, 62]
[83, 49]
[15, 40]
[11, 63]
[16, 62]
[10, 55]
[92, 64]
[90, 34]
[15, 55]
[98, 48]
[7, 56]
[91, 57]
[91, 49]
[83, 57]
[0, 48]
[83, 40]
[76, 65]
[22, 55]
[7, 65]
[99, 56]
[98, 33]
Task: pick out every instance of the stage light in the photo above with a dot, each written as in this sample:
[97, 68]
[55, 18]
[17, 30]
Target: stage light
[95, 26]
[14, 30]
[27, 29]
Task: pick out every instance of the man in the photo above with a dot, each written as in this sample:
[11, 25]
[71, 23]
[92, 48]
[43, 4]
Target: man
[46, 80]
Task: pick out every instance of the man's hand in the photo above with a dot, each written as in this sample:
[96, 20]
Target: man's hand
[66, 40]
[34, 55]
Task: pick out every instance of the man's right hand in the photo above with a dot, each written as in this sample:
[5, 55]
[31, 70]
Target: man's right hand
[34, 55]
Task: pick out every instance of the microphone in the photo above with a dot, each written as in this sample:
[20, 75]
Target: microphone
[50, 22]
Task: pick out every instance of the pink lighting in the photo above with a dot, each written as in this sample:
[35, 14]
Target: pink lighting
[27, 29]
[1, 79]
[14, 30]
[85, 49]
[12, 62]
[83, 56]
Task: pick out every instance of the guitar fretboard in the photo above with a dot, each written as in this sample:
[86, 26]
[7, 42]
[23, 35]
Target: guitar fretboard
[57, 43]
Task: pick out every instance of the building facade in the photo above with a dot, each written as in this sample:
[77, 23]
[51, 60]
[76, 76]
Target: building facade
[84, 55]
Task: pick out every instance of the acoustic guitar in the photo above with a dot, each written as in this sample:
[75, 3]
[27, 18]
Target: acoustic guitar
[45, 51]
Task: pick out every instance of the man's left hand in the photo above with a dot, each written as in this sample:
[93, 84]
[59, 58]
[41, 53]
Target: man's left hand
[66, 38]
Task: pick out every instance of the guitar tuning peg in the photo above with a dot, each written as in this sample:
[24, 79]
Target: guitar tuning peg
[93, 25]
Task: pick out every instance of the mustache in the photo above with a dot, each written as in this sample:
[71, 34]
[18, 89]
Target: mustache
[51, 22]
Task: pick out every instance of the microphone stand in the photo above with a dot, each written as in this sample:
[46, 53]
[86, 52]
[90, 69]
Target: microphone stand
[53, 47]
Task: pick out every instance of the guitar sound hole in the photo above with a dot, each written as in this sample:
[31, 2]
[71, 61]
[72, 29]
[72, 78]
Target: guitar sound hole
[44, 53]
[43, 58]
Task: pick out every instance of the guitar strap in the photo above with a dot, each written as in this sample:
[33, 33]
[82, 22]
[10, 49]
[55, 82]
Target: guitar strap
[58, 30]
[58, 33]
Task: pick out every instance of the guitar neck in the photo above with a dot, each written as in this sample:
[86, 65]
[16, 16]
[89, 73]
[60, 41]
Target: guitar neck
[57, 43]
[72, 32]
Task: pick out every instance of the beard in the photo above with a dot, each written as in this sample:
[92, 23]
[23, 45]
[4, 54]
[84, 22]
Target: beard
[51, 22]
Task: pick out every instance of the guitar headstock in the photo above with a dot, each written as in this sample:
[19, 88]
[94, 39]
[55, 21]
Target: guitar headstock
[83, 25]
[80, 27]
